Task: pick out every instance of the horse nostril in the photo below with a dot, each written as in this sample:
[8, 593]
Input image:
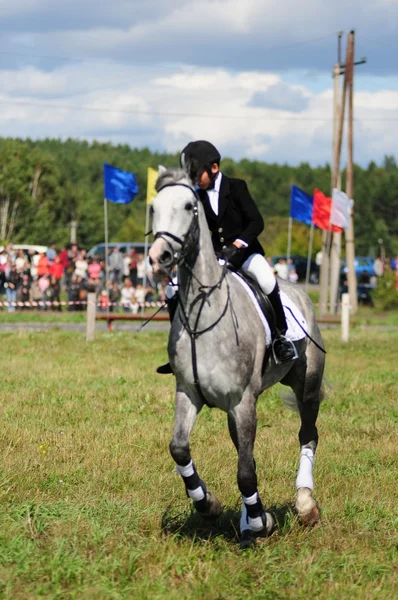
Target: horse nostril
[150, 261]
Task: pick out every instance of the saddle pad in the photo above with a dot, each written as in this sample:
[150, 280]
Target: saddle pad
[294, 331]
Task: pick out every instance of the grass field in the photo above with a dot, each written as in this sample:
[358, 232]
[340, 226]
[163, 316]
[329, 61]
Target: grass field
[91, 506]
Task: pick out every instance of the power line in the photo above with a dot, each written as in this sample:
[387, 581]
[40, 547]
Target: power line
[99, 59]
[177, 114]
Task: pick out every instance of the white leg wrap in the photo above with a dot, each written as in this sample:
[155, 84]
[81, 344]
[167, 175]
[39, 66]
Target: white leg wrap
[251, 499]
[304, 475]
[186, 471]
[252, 525]
[197, 494]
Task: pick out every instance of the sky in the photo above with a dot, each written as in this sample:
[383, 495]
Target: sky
[254, 77]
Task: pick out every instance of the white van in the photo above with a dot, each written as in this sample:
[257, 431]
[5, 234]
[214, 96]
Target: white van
[27, 248]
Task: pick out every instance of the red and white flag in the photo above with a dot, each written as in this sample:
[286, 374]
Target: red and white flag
[341, 209]
[321, 212]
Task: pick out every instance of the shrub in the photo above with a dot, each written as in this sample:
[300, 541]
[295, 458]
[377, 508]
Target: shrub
[385, 296]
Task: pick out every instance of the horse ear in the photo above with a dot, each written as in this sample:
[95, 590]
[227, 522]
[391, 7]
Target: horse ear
[161, 170]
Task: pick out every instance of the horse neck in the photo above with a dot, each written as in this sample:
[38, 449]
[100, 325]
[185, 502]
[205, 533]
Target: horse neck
[205, 272]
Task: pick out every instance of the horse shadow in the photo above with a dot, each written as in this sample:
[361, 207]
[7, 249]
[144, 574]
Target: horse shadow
[226, 526]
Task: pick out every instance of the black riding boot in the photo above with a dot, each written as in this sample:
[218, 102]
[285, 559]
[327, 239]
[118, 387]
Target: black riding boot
[283, 349]
[172, 305]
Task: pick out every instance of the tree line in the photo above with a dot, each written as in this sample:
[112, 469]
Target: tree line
[45, 184]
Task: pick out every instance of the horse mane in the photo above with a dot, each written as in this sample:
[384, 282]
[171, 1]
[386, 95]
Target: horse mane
[168, 176]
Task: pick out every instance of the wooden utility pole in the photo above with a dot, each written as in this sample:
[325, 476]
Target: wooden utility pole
[335, 250]
[338, 120]
[350, 243]
[339, 114]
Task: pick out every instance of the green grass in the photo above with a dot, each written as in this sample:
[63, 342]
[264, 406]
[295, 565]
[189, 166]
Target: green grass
[91, 506]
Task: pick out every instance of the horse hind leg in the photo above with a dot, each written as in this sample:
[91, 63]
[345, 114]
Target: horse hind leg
[255, 521]
[308, 392]
[204, 501]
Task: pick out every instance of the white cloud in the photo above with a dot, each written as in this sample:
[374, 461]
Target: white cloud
[261, 86]
[164, 109]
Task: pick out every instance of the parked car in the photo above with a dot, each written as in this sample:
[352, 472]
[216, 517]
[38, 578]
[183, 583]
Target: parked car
[362, 264]
[300, 264]
[124, 247]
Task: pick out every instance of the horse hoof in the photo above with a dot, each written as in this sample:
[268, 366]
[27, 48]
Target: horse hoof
[247, 539]
[310, 519]
[211, 509]
[306, 507]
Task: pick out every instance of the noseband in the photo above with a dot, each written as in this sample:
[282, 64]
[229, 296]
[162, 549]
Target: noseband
[191, 237]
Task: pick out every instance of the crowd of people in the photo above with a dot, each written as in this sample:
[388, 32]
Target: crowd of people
[65, 276]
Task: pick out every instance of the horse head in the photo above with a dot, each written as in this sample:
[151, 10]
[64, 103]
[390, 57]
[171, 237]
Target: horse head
[175, 222]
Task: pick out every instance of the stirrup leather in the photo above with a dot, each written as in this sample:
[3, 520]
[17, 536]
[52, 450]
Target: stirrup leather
[286, 342]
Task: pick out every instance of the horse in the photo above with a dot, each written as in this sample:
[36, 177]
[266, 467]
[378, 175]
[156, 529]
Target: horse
[220, 357]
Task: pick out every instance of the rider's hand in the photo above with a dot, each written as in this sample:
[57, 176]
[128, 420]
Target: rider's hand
[228, 252]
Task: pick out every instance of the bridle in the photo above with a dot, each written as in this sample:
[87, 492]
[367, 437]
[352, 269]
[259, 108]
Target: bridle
[190, 239]
[185, 256]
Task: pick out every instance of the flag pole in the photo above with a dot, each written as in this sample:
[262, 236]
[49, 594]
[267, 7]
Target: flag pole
[145, 251]
[307, 273]
[106, 242]
[289, 240]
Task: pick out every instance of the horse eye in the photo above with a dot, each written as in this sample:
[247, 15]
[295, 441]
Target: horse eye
[151, 211]
[189, 206]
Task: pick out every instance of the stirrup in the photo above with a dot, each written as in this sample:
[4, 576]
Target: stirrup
[283, 350]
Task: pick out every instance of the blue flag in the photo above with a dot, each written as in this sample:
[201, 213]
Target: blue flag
[120, 186]
[301, 205]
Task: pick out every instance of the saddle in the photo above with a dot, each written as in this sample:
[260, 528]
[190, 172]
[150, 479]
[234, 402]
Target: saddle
[261, 299]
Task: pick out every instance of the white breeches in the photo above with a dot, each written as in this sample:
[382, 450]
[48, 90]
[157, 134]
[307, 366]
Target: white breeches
[256, 266]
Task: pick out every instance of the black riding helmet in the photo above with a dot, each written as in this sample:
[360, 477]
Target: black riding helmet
[198, 157]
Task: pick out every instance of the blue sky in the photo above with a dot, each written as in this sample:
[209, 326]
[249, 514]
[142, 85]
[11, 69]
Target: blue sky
[252, 76]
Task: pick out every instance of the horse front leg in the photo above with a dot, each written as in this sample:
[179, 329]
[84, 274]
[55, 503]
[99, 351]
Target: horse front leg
[186, 411]
[255, 521]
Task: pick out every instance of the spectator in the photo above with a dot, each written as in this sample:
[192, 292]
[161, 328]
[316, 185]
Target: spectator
[56, 269]
[73, 292]
[281, 269]
[140, 294]
[140, 269]
[34, 265]
[55, 291]
[133, 267]
[104, 301]
[51, 253]
[81, 267]
[43, 265]
[35, 291]
[23, 289]
[378, 266]
[127, 295]
[63, 257]
[293, 277]
[126, 266]
[114, 294]
[11, 283]
[116, 265]
[94, 268]
[44, 284]
[21, 264]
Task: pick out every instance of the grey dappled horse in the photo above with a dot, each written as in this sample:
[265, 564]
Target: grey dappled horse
[217, 347]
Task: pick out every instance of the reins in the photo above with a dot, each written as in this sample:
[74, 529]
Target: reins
[187, 246]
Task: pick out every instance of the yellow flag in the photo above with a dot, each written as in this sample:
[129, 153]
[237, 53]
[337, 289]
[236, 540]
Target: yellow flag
[150, 190]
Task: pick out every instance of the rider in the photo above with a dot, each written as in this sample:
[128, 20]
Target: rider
[235, 223]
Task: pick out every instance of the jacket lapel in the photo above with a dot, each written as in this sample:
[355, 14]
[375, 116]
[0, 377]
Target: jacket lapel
[223, 198]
